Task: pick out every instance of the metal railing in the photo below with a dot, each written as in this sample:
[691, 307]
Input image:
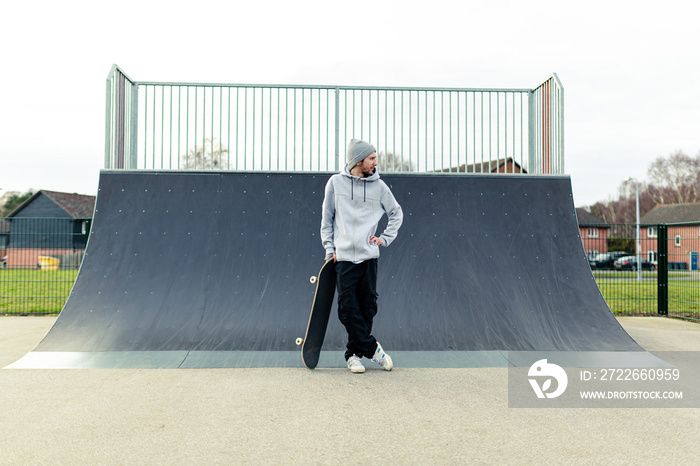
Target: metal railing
[160, 125]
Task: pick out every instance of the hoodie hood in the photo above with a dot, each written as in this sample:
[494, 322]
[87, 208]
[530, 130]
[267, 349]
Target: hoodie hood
[373, 177]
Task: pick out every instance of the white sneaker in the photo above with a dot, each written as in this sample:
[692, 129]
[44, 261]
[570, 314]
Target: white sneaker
[355, 365]
[383, 359]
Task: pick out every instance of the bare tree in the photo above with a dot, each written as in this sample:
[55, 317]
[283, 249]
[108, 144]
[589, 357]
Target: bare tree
[390, 162]
[672, 180]
[675, 178]
[211, 155]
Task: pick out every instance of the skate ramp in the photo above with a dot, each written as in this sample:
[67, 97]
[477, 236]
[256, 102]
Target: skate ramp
[202, 269]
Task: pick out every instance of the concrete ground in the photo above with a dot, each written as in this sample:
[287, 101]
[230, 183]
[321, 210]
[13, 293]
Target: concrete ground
[328, 416]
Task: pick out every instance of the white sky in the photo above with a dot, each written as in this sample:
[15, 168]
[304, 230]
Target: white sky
[631, 72]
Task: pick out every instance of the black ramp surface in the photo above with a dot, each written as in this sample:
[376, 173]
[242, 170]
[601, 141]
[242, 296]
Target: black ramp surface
[192, 261]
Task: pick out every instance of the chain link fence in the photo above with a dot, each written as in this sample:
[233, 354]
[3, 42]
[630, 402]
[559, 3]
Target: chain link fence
[646, 270]
[40, 261]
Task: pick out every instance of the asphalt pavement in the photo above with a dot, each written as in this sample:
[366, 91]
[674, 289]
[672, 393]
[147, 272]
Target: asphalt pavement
[327, 416]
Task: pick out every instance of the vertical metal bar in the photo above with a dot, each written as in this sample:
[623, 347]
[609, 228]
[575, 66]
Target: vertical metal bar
[490, 135]
[562, 135]
[393, 130]
[245, 129]
[450, 111]
[134, 120]
[221, 125]
[410, 136]
[196, 94]
[362, 114]
[458, 129]
[187, 130]
[269, 134]
[474, 130]
[426, 131]
[418, 94]
[162, 126]
[145, 129]
[369, 117]
[153, 151]
[481, 167]
[286, 128]
[108, 122]
[170, 134]
[294, 133]
[442, 129]
[179, 124]
[662, 274]
[253, 133]
[531, 132]
[434, 142]
[303, 101]
[379, 114]
[337, 129]
[318, 145]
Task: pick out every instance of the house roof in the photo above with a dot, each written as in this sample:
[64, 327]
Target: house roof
[673, 213]
[492, 166]
[586, 218]
[75, 205]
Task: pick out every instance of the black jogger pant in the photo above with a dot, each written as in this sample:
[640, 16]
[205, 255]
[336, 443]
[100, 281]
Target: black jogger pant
[357, 305]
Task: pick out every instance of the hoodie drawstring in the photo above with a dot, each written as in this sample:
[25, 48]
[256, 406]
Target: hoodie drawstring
[352, 189]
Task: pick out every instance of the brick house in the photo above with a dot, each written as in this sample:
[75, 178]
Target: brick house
[49, 223]
[594, 232]
[683, 222]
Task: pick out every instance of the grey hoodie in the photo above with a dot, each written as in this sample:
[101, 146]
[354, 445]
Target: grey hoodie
[352, 208]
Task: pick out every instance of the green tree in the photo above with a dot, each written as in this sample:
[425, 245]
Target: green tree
[13, 199]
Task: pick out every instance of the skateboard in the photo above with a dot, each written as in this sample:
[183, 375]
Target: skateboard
[320, 312]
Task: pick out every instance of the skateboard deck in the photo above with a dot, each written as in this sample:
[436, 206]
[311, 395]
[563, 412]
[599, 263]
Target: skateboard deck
[320, 313]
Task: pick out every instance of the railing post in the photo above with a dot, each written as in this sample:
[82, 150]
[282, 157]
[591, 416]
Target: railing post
[531, 162]
[132, 159]
[337, 129]
[108, 124]
[662, 271]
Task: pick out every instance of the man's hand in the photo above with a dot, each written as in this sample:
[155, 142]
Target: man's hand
[375, 240]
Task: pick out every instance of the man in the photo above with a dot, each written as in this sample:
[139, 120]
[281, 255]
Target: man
[355, 200]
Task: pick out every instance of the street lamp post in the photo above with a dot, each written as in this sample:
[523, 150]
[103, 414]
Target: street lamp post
[639, 239]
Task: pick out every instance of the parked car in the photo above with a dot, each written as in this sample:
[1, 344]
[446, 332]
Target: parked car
[630, 262]
[607, 260]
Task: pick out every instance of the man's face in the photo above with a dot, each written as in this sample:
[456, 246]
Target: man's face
[368, 165]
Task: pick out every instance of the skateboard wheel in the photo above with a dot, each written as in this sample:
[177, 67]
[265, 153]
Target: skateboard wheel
[299, 341]
[313, 280]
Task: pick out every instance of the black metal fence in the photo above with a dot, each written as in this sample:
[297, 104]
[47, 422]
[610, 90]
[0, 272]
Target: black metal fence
[646, 269]
[653, 272]
[40, 261]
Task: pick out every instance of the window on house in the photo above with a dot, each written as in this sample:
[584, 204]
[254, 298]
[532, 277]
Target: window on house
[652, 232]
[653, 256]
[84, 227]
[678, 241]
[592, 232]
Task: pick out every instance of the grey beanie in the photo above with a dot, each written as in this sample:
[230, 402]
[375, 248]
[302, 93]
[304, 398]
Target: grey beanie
[358, 151]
